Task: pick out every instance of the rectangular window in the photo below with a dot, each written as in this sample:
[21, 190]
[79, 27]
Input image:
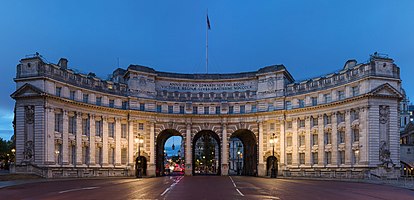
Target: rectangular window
[327, 98]
[181, 109]
[341, 157]
[85, 155]
[254, 108]
[341, 136]
[98, 101]
[170, 109]
[85, 127]
[123, 130]
[355, 91]
[98, 128]
[289, 158]
[270, 107]
[218, 109]
[206, 110]
[142, 106]
[272, 126]
[159, 108]
[354, 115]
[124, 157]
[315, 158]
[289, 124]
[289, 141]
[85, 98]
[111, 156]
[141, 126]
[242, 109]
[302, 158]
[288, 105]
[59, 122]
[124, 105]
[231, 109]
[58, 91]
[341, 117]
[341, 95]
[98, 155]
[302, 123]
[111, 103]
[301, 140]
[111, 129]
[355, 134]
[314, 121]
[72, 95]
[314, 101]
[328, 157]
[314, 139]
[72, 124]
[327, 119]
[301, 103]
[195, 110]
[328, 138]
[355, 155]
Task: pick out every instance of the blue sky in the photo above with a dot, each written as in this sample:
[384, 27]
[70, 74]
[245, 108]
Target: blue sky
[310, 38]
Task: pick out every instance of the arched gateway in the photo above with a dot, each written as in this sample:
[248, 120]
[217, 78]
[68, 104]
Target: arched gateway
[342, 124]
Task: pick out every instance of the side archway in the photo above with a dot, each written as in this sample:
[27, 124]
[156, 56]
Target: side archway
[160, 156]
[250, 157]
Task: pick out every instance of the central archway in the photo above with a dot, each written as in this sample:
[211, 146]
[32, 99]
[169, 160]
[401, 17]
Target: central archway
[160, 154]
[206, 153]
[249, 145]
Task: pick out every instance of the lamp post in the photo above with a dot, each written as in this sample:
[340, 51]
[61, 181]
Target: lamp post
[273, 141]
[13, 153]
[238, 158]
[138, 163]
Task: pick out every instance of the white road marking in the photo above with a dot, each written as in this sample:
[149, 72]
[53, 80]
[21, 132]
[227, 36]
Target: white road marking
[172, 185]
[234, 184]
[77, 189]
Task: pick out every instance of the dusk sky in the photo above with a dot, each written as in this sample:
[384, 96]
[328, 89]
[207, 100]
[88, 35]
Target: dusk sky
[311, 38]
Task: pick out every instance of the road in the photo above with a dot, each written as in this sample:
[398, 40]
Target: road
[202, 187]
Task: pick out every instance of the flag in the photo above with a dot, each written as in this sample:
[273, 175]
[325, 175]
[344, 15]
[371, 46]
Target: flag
[208, 23]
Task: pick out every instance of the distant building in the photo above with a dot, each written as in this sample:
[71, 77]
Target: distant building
[340, 125]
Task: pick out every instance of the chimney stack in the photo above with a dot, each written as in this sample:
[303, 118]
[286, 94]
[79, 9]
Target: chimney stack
[63, 63]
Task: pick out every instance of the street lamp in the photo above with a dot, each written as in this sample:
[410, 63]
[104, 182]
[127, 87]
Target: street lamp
[273, 141]
[138, 169]
[14, 153]
[238, 158]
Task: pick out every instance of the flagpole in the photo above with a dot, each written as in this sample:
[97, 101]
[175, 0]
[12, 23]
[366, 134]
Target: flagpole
[207, 45]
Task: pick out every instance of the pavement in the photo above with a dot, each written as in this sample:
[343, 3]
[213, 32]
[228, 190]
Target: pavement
[201, 187]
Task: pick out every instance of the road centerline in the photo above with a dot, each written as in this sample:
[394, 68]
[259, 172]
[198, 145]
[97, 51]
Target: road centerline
[77, 189]
[234, 184]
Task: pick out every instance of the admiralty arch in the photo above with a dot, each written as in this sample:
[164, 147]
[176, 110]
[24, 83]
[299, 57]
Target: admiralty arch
[338, 125]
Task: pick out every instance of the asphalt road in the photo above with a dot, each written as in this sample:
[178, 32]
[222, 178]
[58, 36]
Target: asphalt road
[202, 187]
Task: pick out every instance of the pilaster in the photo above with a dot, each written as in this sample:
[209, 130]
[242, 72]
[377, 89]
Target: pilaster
[348, 138]
[105, 148]
[92, 145]
[78, 138]
[65, 138]
[224, 152]
[117, 142]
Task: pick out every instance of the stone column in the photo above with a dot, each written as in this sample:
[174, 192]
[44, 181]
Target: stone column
[78, 138]
[261, 168]
[321, 141]
[308, 142]
[131, 160]
[224, 152]
[92, 142]
[50, 138]
[65, 139]
[334, 140]
[295, 156]
[348, 138]
[363, 136]
[105, 148]
[151, 166]
[282, 161]
[117, 142]
[188, 151]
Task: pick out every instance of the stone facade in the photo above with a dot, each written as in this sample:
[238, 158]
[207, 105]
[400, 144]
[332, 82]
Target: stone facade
[344, 124]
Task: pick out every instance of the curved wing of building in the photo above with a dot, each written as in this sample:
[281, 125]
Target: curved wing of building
[344, 124]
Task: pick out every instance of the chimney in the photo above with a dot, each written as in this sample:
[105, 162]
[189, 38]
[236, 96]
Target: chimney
[63, 63]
